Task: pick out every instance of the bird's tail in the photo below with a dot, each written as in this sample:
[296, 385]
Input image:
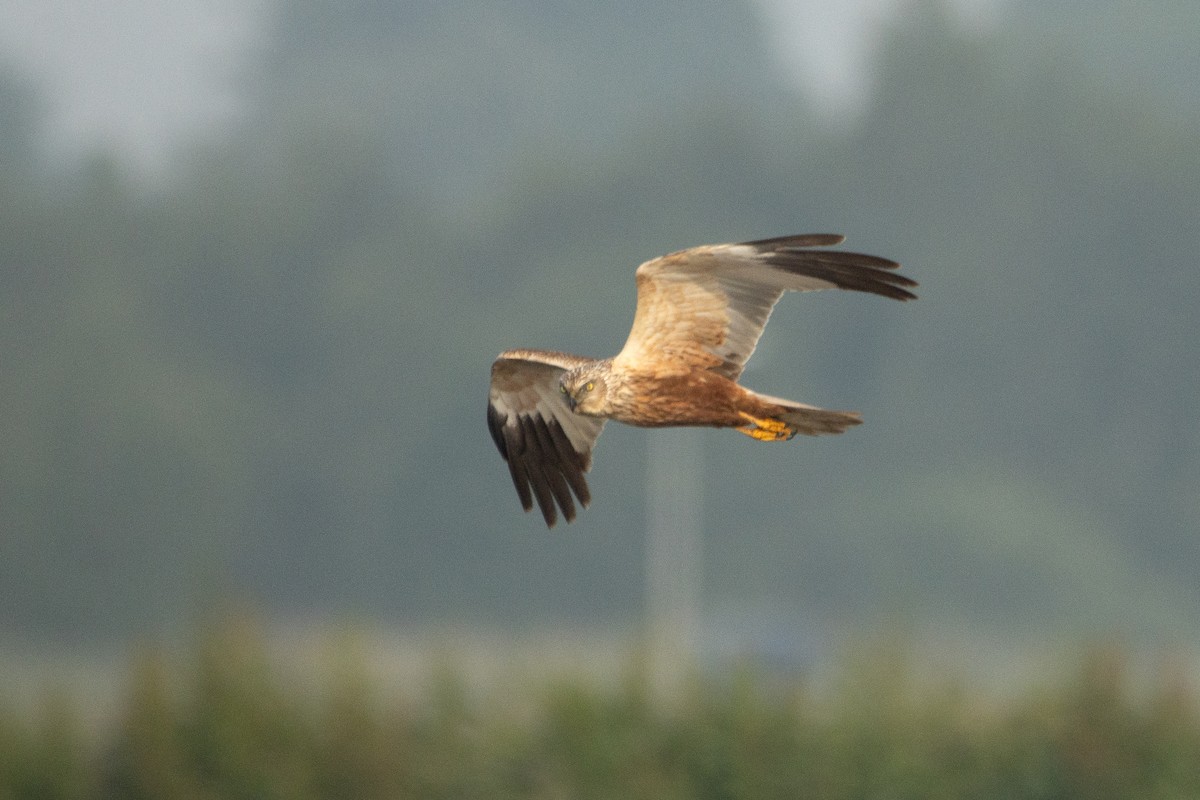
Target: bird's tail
[809, 420]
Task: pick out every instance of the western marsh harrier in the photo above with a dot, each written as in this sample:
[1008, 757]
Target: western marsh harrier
[700, 313]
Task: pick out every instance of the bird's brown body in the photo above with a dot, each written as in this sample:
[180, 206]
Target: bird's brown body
[696, 398]
[656, 400]
[699, 315]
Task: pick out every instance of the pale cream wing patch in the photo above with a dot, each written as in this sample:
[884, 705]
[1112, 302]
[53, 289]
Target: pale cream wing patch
[706, 307]
[548, 446]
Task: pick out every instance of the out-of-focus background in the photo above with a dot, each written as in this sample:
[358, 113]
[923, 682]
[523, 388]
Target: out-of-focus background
[256, 259]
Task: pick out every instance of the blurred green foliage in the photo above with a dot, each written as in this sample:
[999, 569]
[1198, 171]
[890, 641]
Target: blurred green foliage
[226, 720]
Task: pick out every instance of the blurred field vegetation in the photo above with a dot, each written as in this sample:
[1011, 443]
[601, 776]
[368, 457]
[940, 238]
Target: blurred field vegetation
[224, 719]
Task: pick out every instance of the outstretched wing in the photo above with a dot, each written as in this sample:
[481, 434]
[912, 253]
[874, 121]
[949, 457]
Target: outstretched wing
[548, 446]
[706, 306]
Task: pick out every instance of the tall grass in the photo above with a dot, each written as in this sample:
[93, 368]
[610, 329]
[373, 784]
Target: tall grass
[227, 721]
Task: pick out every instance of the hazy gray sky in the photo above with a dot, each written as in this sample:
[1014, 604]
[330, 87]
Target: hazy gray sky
[829, 48]
[137, 74]
[144, 75]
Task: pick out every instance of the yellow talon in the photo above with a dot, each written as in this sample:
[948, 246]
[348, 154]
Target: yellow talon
[765, 430]
[760, 434]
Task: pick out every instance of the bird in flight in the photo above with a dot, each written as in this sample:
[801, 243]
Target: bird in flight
[700, 313]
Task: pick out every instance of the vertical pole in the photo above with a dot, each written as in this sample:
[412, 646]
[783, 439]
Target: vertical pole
[674, 554]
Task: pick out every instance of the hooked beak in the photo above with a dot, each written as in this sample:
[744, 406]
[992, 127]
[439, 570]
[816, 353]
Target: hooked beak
[570, 398]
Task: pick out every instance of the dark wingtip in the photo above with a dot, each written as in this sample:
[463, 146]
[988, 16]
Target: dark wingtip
[495, 423]
[798, 240]
[858, 272]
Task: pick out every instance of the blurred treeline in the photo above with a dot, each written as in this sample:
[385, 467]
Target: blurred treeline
[229, 721]
[265, 373]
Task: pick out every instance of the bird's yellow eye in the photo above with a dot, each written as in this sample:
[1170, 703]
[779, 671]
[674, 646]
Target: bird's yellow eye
[562, 388]
[590, 385]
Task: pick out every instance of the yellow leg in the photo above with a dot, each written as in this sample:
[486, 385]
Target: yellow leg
[765, 430]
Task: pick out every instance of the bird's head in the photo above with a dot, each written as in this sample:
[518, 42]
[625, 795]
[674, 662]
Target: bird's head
[585, 389]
